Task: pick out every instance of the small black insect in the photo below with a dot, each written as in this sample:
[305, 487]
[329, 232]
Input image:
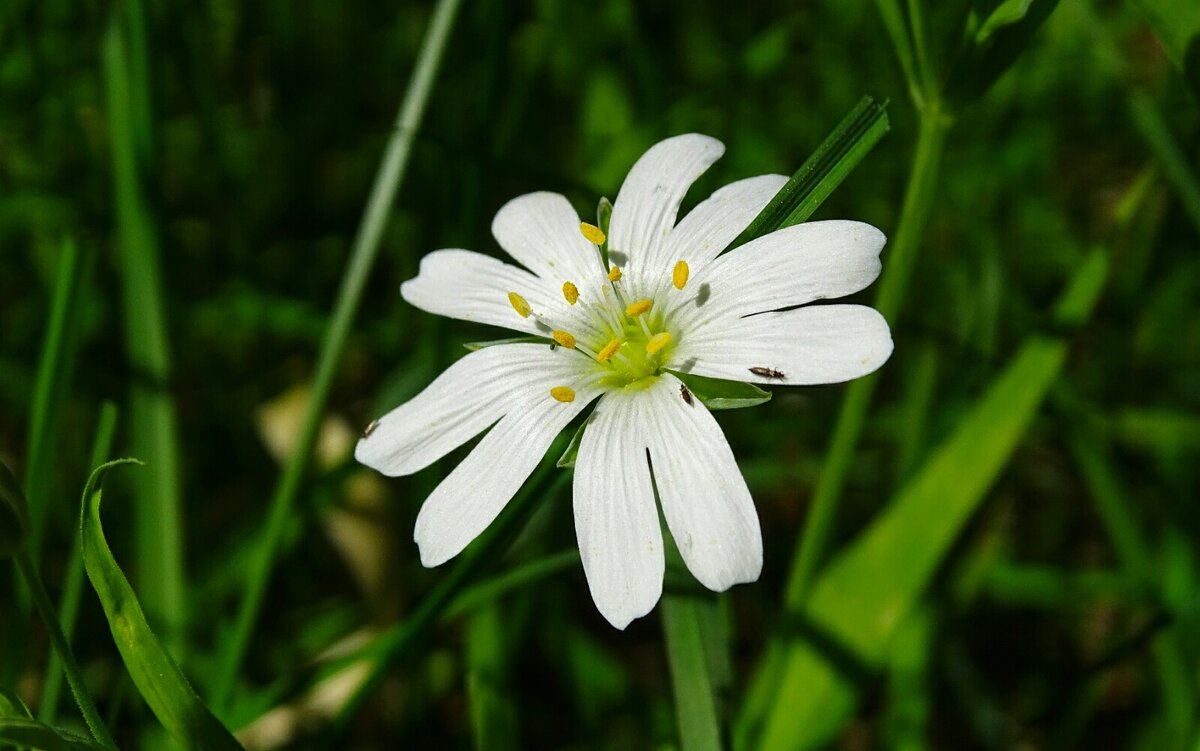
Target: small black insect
[370, 429]
[767, 372]
[687, 395]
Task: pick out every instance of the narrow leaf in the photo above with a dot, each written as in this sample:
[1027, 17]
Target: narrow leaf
[717, 393]
[567, 460]
[28, 733]
[838, 154]
[1177, 24]
[157, 677]
[867, 591]
[986, 59]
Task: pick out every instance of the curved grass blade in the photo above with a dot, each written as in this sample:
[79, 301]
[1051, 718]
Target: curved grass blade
[26, 733]
[157, 677]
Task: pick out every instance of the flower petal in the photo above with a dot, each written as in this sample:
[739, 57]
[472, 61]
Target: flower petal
[541, 231]
[714, 223]
[806, 346]
[704, 497]
[648, 202]
[791, 266]
[460, 404]
[470, 286]
[616, 521]
[479, 488]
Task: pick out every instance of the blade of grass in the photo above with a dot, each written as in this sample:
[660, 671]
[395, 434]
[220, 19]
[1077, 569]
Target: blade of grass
[823, 171]
[366, 248]
[53, 377]
[68, 604]
[1177, 25]
[152, 418]
[156, 675]
[867, 591]
[13, 500]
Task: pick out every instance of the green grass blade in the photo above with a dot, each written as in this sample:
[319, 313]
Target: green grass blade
[68, 605]
[153, 428]
[50, 386]
[821, 173]
[870, 587]
[156, 675]
[366, 248]
[494, 711]
[24, 733]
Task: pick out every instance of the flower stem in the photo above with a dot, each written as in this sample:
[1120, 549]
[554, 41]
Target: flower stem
[41, 602]
[691, 679]
[366, 248]
[918, 204]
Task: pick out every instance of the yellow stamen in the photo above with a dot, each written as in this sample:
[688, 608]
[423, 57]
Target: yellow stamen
[679, 276]
[563, 393]
[571, 292]
[594, 234]
[639, 307]
[615, 274]
[658, 341]
[609, 350]
[520, 304]
[563, 338]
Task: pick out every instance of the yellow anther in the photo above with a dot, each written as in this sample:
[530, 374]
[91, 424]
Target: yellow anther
[679, 276]
[658, 341]
[563, 338]
[594, 234]
[609, 350]
[637, 308]
[563, 393]
[571, 292]
[615, 274]
[520, 304]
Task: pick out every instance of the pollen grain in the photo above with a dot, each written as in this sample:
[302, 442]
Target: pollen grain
[679, 276]
[570, 292]
[658, 341]
[635, 309]
[563, 393]
[563, 338]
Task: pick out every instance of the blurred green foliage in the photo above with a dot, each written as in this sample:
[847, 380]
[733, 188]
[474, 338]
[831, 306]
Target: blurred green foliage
[1065, 616]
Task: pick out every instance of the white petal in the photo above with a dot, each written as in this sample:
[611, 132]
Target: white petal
[473, 287]
[465, 399]
[616, 521]
[812, 345]
[541, 231]
[648, 202]
[479, 488]
[791, 266]
[715, 222]
[704, 497]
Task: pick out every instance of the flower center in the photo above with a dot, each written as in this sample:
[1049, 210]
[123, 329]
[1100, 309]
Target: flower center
[638, 342]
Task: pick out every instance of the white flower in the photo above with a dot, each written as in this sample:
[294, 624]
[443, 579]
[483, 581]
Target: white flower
[670, 302]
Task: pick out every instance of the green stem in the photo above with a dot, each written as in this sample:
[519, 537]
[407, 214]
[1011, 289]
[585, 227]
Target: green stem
[695, 703]
[41, 602]
[898, 266]
[366, 248]
[68, 606]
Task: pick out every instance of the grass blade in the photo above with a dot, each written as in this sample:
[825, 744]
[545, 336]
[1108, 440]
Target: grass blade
[156, 675]
[366, 248]
[1177, 25]
[153, 428]
[53, 377]
[867, 591]
[68, 605]
[25, 733]
[695, 705]
[821, 173]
